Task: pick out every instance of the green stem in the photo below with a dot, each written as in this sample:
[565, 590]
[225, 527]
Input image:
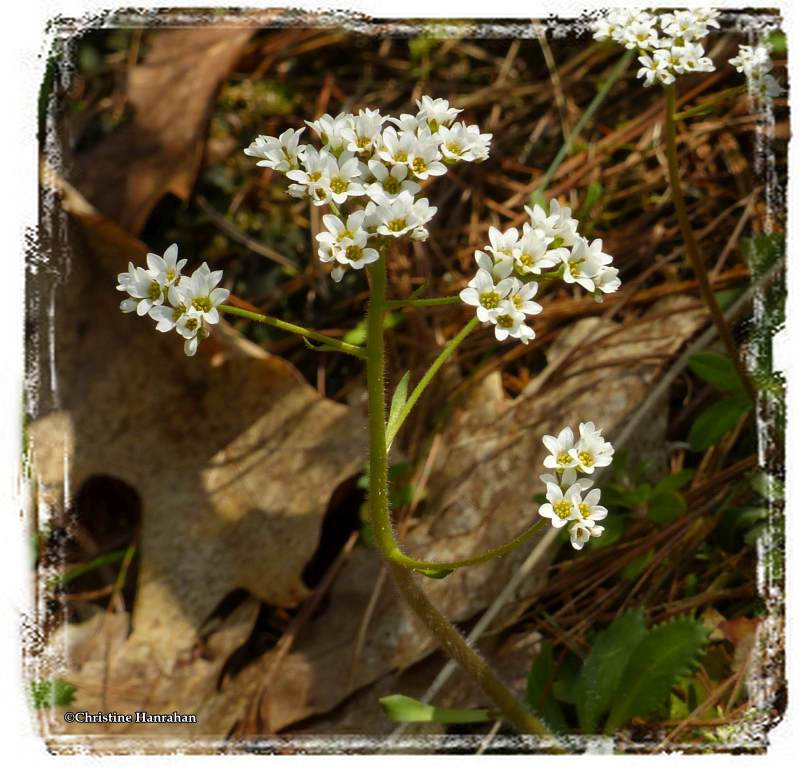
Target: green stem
[341, 346]
[421, 564]
[428, 377]
[422, 302]
[447, 635]
[692, 251]
[376, 406]
[514, 712]
[613, 76]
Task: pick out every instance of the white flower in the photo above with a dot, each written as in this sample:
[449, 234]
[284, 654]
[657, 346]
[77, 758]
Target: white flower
[436, 112]
[419, 234]
[425, 160]
[592, 450]
[580, 533]
[331, 130]
[766, 87]
[389, 183]
[396, 149]
[509, 322]
[499, 269]
[531, 254]
[199, 293]
[582, 264]
[356, 254]
[312, 180]
[340, 235]
[365, 128]
[752, 59]
[589, 508]
[502, 244]
[558, 225]
[641, 34]
[340, 180]
[521, 295]
[606, 279]
[280, 153]
[144, 290]
[401, 215]
[407, 123]
[166, 270]
[561, 450]
[484, 293]
[462, 142]
[655, 69]
[691, 58]
[567, 478]
[562, 505]
[190, 326]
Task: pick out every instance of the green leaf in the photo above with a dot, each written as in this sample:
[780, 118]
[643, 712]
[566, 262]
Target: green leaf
[593, 193]
[398, 400]
[665, 507]
[718, 370]
[767, 485]
[539, 692]
[614, 528]
[716, 421]
[666, 654]
[565, 688]
[51, 692]
[358, 335]
[637, 565]
[674, 481]
[602, 670]
[434, 572]
[402, 708]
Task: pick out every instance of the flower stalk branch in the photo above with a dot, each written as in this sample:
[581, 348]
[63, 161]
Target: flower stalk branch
[327, 341]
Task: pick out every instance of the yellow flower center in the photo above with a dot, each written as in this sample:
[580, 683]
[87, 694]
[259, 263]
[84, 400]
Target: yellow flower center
[505, 321]
[401, 157]
[564, 459]
[202, 303]
[586, 459]
[154, 291]
[397, 225]
[391, 185]
[562, 508]
[339, 185]
[489, 300]
[583, 508]
[354, 253]
[419, 165]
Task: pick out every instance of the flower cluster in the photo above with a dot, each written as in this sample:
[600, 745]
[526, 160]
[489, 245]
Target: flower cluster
[378, 163]
[548, 247]
[569, 499]
[187, 304]
[668, 42]
[755, 63]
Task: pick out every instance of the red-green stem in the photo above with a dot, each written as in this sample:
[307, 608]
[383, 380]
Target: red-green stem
[692, 251]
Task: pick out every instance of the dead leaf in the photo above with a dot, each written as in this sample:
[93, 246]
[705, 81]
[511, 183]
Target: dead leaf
[233, 455]
[480, 495]
[160, 150]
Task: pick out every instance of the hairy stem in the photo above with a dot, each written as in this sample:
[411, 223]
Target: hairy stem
[514, 712]
[333, 343]
[499, 551]
[692, 251]
[422, 302]
[447, 635]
